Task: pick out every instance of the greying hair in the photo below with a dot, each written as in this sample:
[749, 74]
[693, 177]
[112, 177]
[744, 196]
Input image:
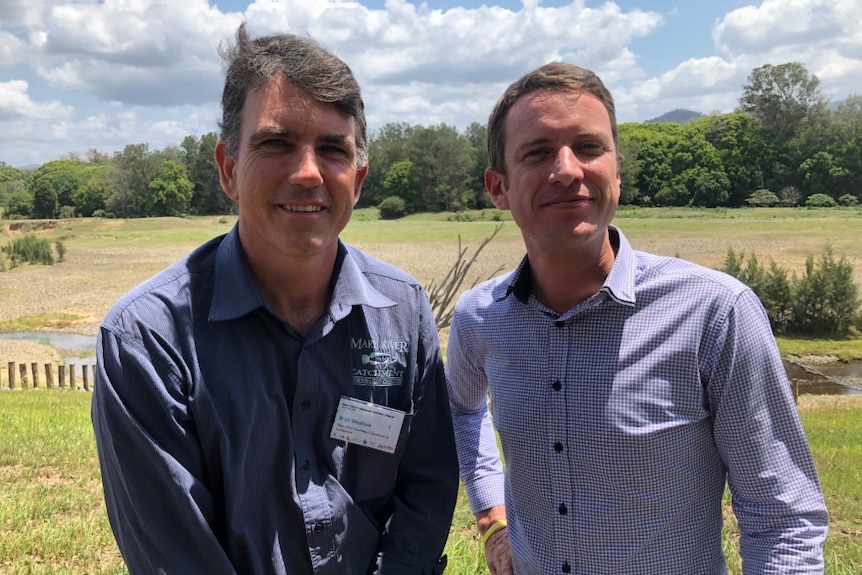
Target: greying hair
[251, 63]
[557, 76]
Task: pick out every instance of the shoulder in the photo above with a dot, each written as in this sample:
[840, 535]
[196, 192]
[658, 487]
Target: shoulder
[376, 270]
[167, 293]
[670, 273]
[486, 296]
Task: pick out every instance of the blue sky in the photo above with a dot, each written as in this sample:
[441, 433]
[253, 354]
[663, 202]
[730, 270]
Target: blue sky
[77, 75]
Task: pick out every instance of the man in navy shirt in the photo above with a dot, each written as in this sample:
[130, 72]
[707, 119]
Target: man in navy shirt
[275, 402]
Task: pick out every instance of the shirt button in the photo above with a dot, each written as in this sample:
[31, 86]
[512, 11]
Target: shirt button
[559, 323]
[566, 568]
[563, 509]
[558, 447]
[305, 465]
[305, 404]
[557, 385]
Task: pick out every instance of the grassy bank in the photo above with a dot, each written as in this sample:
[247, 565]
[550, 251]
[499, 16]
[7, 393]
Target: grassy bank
[52, 517]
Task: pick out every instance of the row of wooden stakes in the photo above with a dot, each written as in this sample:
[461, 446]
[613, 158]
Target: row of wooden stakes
[19, 377]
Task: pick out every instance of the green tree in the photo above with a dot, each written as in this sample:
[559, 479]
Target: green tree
[386, 146]
[742, 151]
[131, 173]
[781, 97]
[92, 197]
[44, 199]
[477, 136]
[208, 197]
[170, 191]
[401, 181]
[442, 160]
[822, 174]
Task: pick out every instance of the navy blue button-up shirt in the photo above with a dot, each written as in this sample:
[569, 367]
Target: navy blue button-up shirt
[213, 419]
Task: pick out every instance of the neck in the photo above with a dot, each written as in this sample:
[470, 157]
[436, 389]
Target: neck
[562, 281]
[297, 289]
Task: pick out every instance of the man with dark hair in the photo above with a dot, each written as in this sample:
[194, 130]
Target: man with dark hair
[275, 402]
[627, 389]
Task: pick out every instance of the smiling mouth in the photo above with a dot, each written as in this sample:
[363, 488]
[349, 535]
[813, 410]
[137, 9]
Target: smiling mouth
[303, 209]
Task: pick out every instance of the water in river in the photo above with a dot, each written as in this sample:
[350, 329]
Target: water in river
[835, 378]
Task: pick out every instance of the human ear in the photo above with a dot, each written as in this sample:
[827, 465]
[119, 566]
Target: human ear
[495, 185]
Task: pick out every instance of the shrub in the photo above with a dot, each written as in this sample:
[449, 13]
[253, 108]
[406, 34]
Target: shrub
[820, 201]
[825, 299]
[392, 208]
[848, 200]
[29, 250]
[762, 199]
[61, 250]
[823, 302]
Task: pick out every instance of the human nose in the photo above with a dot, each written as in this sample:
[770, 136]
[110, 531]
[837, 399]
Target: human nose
[306, 172]
[567, 167]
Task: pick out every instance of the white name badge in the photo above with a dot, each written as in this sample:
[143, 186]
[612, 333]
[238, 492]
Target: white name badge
[367, 424]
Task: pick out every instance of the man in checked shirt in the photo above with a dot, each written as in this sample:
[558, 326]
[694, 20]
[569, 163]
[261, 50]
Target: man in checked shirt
[627, 389]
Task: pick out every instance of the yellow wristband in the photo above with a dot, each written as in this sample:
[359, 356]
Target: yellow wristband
[495, 526]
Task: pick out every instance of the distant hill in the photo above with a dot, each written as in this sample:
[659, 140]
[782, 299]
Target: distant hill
[679, 116]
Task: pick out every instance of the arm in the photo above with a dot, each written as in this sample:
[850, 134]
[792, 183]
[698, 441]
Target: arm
[427, 485]
[479, 458]
[160, 510]
[776, 493]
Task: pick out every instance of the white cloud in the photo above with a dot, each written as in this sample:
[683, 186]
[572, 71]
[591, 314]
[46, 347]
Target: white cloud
[24, 13]
[16, 104]
[102, 74]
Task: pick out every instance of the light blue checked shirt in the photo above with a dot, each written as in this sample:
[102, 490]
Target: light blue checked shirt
[622, 419]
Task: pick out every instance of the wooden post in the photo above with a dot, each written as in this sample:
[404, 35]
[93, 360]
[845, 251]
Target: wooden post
[61, 375]
[85, 373]
[22, 370]
[34, 369]
[11, 372]
[72, 384]
[49, 375]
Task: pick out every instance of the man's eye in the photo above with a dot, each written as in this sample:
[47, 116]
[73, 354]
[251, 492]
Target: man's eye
[274, 143]
[535, 153]
[593, 148]
[334, 151]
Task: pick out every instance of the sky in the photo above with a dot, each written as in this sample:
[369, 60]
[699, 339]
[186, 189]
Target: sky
[77, 75]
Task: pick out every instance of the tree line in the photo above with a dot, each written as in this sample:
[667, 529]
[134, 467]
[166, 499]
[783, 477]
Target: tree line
[783, 145]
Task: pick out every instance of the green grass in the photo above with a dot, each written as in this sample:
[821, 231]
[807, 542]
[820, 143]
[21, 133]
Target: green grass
[844, 349]
[52, 517]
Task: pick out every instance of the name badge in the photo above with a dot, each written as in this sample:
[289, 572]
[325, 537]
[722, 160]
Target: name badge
[367, 424]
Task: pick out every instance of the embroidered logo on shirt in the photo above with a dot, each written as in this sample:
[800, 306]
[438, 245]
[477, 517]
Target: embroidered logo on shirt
[378, 363]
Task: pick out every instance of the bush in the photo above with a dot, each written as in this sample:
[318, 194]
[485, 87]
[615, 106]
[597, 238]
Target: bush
[29, 250]
[823, 302]
[848, 200]
[825, 299]
[762, 199]
[392, 208]
[820, 201]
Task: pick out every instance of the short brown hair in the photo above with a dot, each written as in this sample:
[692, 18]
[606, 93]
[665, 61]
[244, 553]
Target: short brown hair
[251, 63]
[554, 76]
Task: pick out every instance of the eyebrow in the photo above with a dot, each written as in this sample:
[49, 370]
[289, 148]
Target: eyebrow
[265, 132]
[531, 144]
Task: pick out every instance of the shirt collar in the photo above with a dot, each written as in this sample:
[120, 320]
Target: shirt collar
[236, 294]
[619, 285]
